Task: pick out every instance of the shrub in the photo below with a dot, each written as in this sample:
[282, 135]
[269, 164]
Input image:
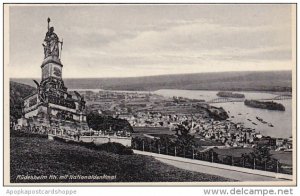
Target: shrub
[111, 147]
[116, 148]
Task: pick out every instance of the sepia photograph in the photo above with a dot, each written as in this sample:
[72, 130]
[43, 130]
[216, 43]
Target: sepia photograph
[149, 94]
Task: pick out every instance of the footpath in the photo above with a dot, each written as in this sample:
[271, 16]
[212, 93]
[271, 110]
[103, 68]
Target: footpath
[227, 171]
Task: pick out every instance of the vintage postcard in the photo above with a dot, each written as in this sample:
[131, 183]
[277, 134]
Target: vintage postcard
[149, 94]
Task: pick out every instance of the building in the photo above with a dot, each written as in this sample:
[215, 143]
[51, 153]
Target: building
[52, 106]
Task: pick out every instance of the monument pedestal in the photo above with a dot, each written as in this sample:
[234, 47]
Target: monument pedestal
[52, 106]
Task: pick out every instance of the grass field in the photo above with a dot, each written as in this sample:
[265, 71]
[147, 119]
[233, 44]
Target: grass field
[32, 156]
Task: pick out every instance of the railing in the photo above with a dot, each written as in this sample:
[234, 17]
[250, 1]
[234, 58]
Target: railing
[44, 130]
[271, 165]
[172, 149]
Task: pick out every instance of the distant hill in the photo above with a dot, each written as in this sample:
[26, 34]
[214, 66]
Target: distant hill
[235, 81]
[17, 93]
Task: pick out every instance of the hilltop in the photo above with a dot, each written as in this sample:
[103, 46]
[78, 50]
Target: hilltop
[234, 81]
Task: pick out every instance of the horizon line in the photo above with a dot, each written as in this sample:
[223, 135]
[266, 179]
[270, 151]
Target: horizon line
[176, 74]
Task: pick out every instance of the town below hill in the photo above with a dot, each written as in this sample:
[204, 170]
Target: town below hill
[184, 127]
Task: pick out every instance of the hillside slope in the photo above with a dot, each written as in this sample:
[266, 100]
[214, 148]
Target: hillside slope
[28, 155]
[17, 92]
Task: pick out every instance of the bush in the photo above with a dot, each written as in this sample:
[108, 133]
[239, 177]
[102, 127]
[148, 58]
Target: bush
[112, 147]
[102, 122]
[116, 148]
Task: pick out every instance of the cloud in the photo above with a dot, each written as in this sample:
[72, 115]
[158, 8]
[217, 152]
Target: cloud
[194, 42]
[134, 40]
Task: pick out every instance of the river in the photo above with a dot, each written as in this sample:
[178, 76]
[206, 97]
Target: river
[281, 120]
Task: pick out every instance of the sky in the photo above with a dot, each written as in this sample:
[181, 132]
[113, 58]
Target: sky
[140, 40]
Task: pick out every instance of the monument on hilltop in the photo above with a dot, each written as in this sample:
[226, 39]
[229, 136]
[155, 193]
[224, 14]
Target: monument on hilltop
[52, 107]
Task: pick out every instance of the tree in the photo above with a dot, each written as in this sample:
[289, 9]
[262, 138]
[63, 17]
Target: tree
[102, 122]
[185, 141]
[261, 156]
[18, 92]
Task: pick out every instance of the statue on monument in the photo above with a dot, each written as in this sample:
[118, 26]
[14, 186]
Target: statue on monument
[51, 43]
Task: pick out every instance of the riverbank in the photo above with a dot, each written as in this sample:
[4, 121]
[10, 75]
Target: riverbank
[228, 94]
[269, 105]
[281, 120]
